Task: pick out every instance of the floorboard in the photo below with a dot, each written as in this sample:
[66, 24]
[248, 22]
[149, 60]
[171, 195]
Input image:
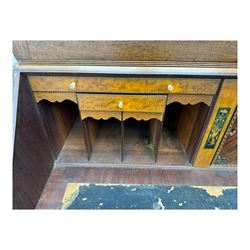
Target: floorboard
[61, 176]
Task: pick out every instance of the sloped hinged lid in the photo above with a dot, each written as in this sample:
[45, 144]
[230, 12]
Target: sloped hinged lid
[180, 51]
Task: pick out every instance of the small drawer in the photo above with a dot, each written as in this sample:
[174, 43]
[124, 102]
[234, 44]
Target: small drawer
[132, 103]
[53, 83]
[147, 85]
[124, 85]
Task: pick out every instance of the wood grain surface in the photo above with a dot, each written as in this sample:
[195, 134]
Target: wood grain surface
[203, 51]
[190, 99]
[136, 103]
[143, 116]
[98, 115]
[124, 84]
[55, 96]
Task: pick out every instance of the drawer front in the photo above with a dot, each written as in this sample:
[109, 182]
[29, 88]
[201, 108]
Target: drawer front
[53, 83]
[123, 85]
[122, 103]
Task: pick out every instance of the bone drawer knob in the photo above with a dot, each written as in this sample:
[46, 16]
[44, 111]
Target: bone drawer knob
[72, 85]
[120, 105]
[170, 87]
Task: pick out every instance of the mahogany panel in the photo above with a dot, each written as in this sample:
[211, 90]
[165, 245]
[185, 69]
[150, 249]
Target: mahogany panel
[33, 156]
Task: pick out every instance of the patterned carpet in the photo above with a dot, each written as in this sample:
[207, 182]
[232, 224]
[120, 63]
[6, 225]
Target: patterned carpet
[117, 196]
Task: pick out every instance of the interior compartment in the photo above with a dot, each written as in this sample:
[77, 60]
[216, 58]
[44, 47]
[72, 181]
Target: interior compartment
[106, 140]
[138, 143]
[184, 123]
[182, 126]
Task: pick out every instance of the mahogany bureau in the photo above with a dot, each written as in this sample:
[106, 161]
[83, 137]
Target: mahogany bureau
[84, 100]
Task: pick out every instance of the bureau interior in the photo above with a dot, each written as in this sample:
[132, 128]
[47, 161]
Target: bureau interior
[171, 141]
[180, 133]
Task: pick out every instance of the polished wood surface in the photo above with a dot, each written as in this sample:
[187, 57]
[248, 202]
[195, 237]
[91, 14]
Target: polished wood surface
[135, 103]
[60, 177]
[51, 83]
[206, 51]
[55, 96]
[227, 99]
[124, 84]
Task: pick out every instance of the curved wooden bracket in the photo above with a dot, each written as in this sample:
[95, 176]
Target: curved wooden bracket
[190, 99]
[105, 115]
[142, 116]
[55, 96]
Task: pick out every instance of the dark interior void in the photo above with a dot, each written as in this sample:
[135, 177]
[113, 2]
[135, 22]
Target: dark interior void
[58, 119]
[187, 123]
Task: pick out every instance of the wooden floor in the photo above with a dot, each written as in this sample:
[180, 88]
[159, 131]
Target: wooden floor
[61, 176]
[137, 147]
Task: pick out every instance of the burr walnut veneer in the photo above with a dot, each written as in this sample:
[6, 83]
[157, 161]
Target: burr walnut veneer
[120, 97]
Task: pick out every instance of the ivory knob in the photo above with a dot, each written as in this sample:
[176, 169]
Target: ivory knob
[120, 105]
[72, 85]
[170, 87]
